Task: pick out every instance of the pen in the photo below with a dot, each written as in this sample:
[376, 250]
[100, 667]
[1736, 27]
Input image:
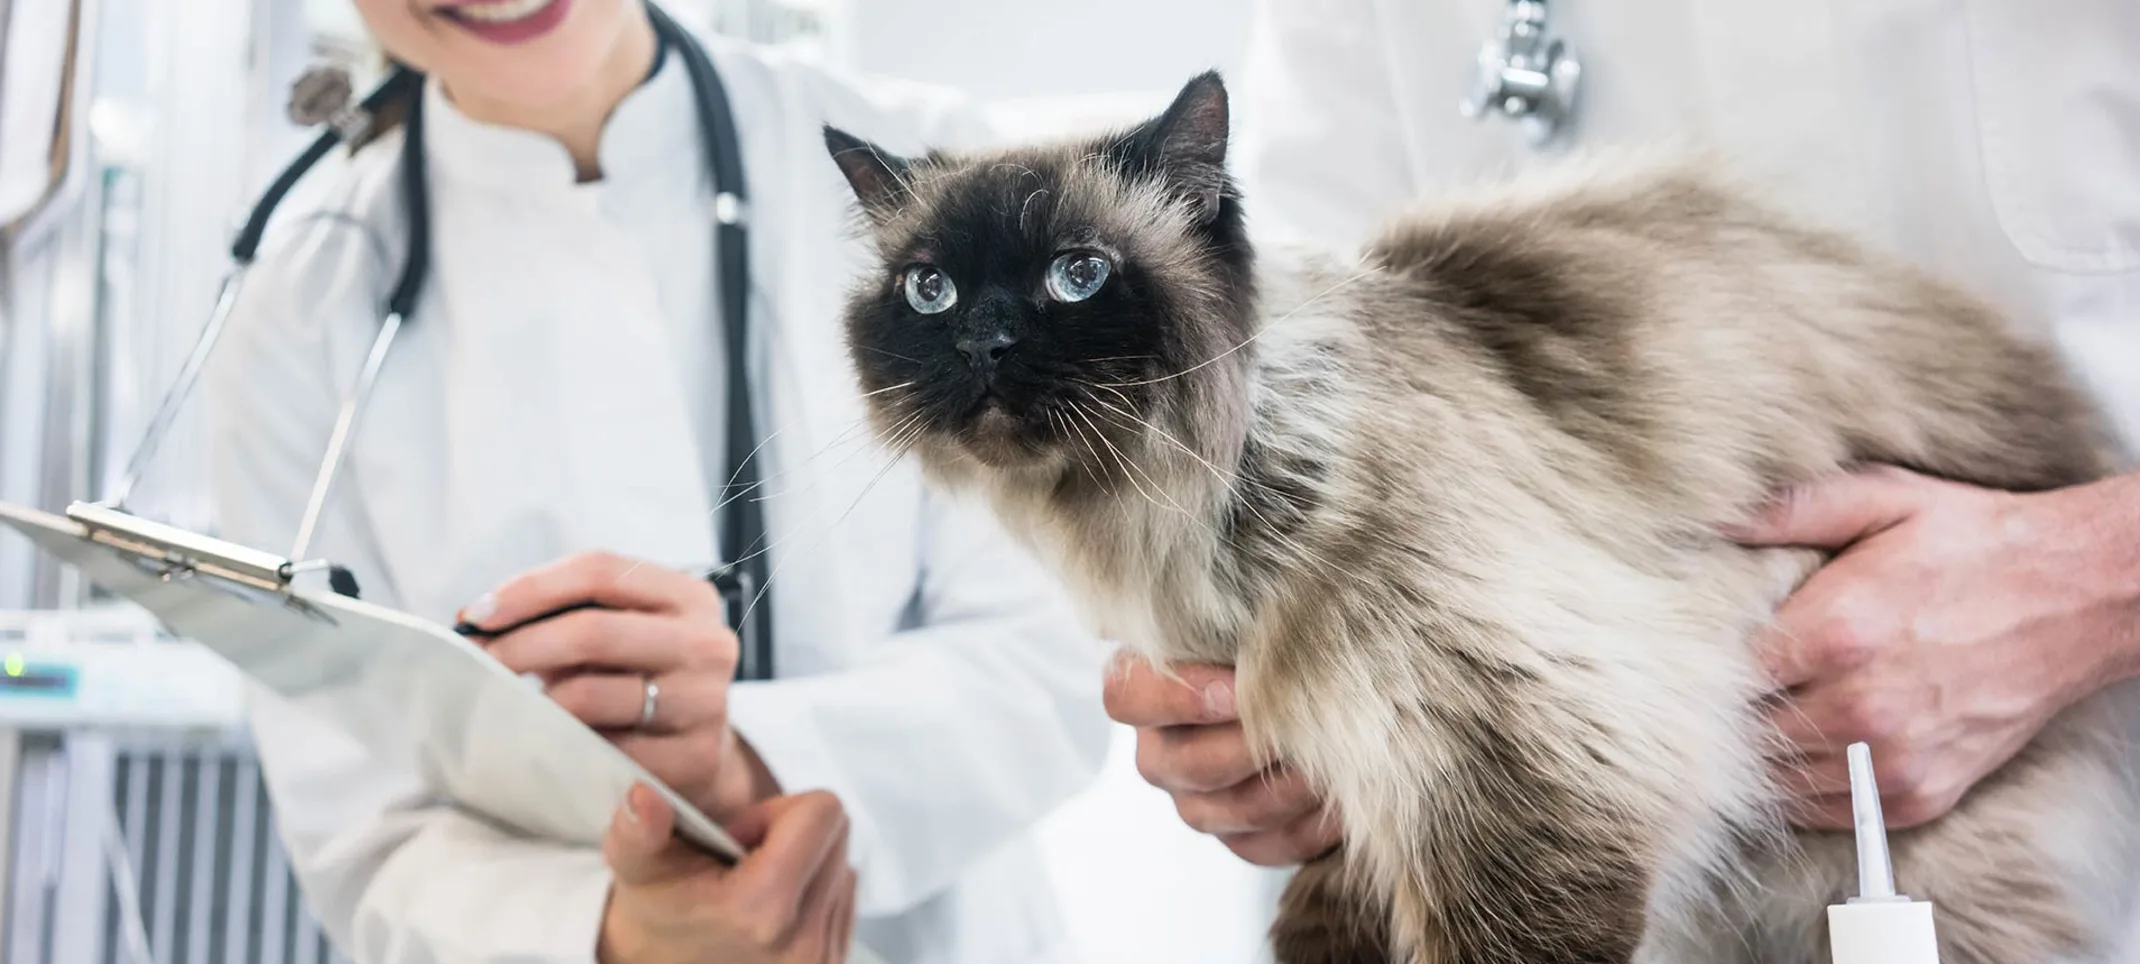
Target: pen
[720, 577]
[472, 630]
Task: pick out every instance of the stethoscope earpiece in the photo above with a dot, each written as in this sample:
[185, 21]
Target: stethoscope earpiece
[1526, 74]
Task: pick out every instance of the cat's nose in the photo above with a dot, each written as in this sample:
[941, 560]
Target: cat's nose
[984, 351]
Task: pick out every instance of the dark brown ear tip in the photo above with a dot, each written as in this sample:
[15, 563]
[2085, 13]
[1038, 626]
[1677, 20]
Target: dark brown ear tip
[1203, 95]
[837, 140]
[1207, 84]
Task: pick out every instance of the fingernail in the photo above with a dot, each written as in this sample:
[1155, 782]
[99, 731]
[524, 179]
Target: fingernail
[480, 610]
[632, 806]
[1218, 700]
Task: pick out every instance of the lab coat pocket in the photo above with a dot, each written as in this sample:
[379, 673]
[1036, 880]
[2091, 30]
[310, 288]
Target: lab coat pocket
[2058, 115]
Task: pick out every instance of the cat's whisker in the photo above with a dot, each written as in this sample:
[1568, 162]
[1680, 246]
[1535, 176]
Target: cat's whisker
[1260, 332]
[730, 483]
[731, 492]
[863, 422]
[1094, 452]
[1139, 422]
[1225, 479]
[866, 422]
[1026, 210]
[1109, 358]
[890, 354]
[1062, 427]
[880, 436]
[899, 451]
[1135, 470]
[1220, 537]
[912, 421]
[1098, 437]
[1314, 560]
[726, 486]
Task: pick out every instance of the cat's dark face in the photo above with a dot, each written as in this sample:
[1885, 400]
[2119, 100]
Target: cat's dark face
[1035, 306]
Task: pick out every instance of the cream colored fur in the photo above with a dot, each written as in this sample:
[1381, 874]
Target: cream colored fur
[1504, 636]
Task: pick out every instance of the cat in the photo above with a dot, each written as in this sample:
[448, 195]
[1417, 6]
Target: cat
[1451, 510]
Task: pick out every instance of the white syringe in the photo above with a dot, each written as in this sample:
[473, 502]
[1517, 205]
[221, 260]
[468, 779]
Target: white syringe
[1878, 926]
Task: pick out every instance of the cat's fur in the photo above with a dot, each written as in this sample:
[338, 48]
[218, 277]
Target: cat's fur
[1451, 512]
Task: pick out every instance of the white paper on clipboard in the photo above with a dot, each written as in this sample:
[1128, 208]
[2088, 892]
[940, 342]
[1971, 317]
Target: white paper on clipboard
[406, 688]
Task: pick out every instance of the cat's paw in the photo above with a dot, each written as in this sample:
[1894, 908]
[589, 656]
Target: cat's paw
[1323, 921]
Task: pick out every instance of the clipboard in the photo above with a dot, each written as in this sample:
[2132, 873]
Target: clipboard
[410, 690]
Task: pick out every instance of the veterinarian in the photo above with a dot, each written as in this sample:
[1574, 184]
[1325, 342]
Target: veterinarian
[1990, 140]
[549, 429]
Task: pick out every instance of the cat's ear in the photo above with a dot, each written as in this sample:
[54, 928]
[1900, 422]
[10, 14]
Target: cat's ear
[879, 177]
[1186, 145]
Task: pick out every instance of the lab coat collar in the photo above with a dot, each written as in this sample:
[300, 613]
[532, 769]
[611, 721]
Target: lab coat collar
[641, 138]
[570, 437]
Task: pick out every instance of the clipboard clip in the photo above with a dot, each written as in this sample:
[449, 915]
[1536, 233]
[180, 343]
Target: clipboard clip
[174, 553]
[178, 552]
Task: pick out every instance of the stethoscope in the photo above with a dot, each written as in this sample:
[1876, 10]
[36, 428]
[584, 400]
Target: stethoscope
[323, 97]
[1527, 75]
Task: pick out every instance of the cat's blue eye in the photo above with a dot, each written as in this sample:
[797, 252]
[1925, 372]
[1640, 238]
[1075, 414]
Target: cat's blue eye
[930, 291]
[1077, 276]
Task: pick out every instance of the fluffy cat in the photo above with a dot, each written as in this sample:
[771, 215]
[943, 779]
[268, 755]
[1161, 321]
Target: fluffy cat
[1450, 510]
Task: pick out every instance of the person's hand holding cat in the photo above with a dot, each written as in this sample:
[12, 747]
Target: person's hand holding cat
[1190, 744]
[1953, 624]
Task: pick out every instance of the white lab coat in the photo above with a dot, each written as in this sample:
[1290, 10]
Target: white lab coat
[558, 389]
[1993, 141]
[1996, 142]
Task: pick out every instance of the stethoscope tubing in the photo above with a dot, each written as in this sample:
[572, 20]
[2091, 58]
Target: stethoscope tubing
[742, 531]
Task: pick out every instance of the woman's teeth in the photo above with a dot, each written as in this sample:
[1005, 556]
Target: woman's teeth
[503, 11]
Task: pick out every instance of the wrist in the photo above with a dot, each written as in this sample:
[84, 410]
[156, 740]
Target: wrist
[618, 941]
[2122, 560]
[2112, 515]
[744, 779]
[2121, 498]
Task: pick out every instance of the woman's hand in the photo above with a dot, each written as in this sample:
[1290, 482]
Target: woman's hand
[790, 901]
[1190, 744]
[652, 625]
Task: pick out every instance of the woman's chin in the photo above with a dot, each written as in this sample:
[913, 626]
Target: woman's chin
[503, 86]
